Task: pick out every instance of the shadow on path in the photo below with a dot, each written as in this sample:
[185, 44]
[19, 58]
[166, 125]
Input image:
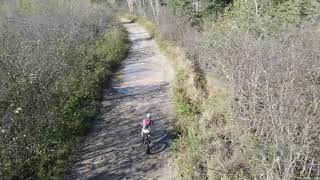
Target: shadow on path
[113, 148]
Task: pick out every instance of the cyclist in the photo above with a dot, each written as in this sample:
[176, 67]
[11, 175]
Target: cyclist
[146, 124]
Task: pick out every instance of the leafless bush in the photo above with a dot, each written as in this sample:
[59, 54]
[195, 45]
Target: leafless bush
[275, 83]
[43, 45]
[172, 27]
[181, 30]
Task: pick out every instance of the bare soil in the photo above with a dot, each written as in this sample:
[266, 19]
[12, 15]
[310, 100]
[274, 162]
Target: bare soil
[113, 149]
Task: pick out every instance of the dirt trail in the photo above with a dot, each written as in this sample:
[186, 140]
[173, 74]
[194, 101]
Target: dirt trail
[113, 148]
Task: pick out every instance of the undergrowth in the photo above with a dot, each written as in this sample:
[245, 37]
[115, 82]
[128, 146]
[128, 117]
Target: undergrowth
[82, 104]
[74, 103]
[150, 26]
[80, 107]
[260, 125]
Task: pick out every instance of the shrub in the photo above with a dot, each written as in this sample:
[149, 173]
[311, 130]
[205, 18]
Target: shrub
[274, 85]
[265, 55]
[54, 58]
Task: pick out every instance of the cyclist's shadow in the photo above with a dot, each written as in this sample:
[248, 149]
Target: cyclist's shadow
[160, 140]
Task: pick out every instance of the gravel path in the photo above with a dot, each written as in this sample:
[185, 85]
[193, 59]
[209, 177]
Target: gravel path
[113, 148]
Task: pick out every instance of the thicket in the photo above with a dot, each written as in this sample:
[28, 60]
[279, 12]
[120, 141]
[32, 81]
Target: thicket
[258, 113]
[55, 56]
[268, 58]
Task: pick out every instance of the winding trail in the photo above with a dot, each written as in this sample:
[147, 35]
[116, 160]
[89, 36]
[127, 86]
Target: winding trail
[113, 148]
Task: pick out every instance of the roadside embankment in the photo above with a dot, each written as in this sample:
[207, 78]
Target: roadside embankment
[204, 119]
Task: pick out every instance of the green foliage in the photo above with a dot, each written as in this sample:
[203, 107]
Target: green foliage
[194, 151]
[150, 26]
[207, 8]
[29, 7]
[79, 96]
[185, 8]
[181, 6]
[183, 106]
[263, 17]
[269, 18]
[216, 6]
[188, 150]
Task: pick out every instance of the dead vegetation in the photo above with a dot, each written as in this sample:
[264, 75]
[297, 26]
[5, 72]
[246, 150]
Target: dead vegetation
[54, 56]
[251, 107]
[275, 98]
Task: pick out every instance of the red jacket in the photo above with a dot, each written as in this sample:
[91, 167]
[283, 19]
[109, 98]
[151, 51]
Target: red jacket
[147, 123]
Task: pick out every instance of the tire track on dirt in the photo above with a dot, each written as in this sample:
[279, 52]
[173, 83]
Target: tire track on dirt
[113, 148]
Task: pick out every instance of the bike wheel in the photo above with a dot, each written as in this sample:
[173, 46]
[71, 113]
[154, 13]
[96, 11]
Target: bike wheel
[147, 148]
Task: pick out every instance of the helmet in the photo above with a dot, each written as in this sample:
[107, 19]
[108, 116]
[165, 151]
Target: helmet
[149, 115]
